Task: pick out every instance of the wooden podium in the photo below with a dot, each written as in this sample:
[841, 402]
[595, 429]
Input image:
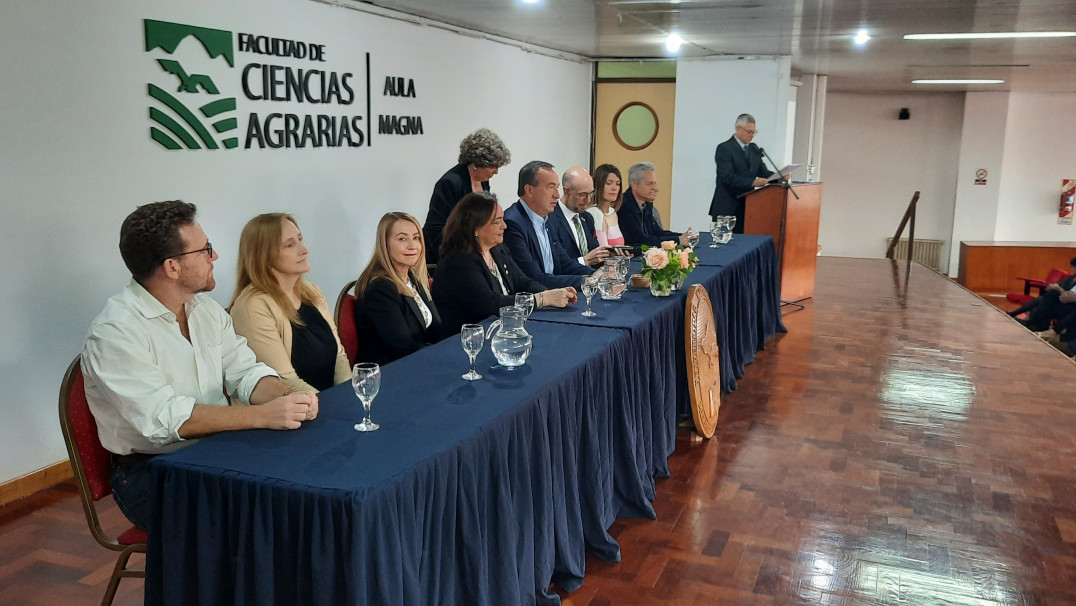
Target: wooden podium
[774, 211]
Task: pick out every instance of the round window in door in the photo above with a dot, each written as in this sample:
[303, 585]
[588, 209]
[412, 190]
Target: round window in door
[635, 126]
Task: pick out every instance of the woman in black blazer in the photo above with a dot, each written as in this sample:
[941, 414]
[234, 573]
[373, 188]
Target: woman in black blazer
[394, 314]
[481, 154]
[476, 276]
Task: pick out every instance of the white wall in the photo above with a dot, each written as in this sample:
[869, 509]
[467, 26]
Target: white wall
[76, 159]
[1040, 151]
[874, 163]
[710, 93]
[982, 146]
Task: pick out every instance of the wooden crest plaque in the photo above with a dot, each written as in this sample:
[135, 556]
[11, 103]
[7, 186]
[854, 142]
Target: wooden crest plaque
[703, 363]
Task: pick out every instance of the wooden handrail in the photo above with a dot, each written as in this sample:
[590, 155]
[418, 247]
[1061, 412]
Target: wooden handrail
[909, 215]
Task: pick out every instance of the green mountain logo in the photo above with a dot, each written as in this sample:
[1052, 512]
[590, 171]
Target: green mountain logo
[183, 118]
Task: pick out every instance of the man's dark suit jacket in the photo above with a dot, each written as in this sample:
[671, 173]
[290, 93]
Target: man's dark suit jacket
[564, 232]
[466, 292]
[448, 190]
[736, 173]
[641, 227]
[390, 325]
[522, 242]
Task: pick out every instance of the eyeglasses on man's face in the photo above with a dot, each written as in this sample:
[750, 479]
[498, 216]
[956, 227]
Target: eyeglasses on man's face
[583, 195]
[208, 249]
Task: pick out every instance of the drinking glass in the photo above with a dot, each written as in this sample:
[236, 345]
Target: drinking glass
[473, 336]
[525, 301]
[731, 219]
[366, 380]
[715, 231]
[692, 238]
[590, 286]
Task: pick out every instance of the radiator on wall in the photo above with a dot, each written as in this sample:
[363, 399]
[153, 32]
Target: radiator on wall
[927, 252]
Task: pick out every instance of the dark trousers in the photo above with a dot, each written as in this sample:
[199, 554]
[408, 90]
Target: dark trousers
[1048, 309]
[132, 487]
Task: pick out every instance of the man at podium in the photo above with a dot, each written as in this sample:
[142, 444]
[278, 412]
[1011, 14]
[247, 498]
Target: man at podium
[739, 170]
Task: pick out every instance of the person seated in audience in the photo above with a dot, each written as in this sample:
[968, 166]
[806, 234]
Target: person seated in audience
[571, 225]
[394, 313]
[482, 153]
[162, 358]
[285, 319]
[639, 220]
[476, 275]
[608, 196]
[1049, 296]
[1063, 334]
[530, 241]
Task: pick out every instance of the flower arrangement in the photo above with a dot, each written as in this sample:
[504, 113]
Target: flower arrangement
[667, 266]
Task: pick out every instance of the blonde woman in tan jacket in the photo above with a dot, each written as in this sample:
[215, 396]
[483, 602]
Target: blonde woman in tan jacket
[285, 319]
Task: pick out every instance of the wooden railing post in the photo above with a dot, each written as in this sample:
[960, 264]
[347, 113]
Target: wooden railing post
[909, 215]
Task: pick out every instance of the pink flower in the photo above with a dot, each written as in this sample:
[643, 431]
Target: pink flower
[668, 245]
[685, 262]
[688, 250]
[656, 258]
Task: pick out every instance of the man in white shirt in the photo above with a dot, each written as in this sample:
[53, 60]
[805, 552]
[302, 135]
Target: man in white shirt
[160, 356]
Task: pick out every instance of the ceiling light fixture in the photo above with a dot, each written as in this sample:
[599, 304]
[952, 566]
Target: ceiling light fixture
[959, 81]
[862, 37]
[988, 35]
[673, 43]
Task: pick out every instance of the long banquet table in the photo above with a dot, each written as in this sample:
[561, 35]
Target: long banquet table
[470, 493]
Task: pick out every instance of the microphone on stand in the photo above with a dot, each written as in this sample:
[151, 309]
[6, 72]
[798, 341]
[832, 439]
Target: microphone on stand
[781, 176]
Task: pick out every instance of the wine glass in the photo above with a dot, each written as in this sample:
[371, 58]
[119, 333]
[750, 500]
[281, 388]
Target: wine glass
[473, 336]
[590, 286]
[731, 220]
[692, 238]
[525, 301]
[366, 380]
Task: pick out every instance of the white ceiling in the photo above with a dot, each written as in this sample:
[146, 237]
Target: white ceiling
[817, 34]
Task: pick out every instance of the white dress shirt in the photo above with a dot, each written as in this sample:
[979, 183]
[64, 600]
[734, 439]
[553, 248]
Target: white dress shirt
[571, 217]
[143, 377]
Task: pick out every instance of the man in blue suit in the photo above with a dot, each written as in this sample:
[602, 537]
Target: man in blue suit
[739, 170]
[639, 220]
[570, 225]
[538, 254]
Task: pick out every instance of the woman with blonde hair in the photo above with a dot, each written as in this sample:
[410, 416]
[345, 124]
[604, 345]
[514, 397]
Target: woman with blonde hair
[608, 194]
[394, 313]
[285, 319]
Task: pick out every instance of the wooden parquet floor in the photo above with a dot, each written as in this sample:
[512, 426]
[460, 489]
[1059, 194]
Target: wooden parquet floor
[905, 443]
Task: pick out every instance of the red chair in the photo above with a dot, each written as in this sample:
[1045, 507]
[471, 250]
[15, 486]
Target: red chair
[1055, 275]
[92, 466]
[344, 316]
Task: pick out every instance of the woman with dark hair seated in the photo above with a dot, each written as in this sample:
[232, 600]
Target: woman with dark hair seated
[476, 275]
[394, 314]
[482, 153]
[285, 319]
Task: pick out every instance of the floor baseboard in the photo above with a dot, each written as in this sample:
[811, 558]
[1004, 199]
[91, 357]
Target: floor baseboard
[34, 481]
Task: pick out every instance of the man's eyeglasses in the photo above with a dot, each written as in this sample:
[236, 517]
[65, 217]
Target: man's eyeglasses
[208, 249]
[750, 132]
[583, 195]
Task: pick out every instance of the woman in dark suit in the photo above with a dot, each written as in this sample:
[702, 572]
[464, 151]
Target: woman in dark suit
[482, 153]
[476, 275]
[394, 314]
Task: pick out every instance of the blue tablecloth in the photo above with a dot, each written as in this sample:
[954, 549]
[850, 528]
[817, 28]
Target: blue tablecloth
[741, 279]
[470, 493]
